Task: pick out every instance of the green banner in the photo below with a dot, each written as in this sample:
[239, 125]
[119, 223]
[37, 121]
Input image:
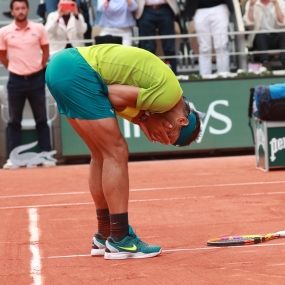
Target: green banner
[225, 125]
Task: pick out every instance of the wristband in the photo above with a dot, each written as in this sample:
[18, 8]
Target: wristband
[251, 8]
[131, 112]
[144, 117]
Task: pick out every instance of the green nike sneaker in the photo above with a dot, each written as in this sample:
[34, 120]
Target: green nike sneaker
[98, 245]
[130, 247]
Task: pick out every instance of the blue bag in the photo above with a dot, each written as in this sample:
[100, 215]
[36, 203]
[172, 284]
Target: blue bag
[268, 102]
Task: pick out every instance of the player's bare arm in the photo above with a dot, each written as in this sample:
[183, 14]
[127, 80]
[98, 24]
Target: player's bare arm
[123, 96]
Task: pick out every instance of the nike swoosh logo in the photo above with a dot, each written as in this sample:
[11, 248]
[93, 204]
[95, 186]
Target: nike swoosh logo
[133, 248]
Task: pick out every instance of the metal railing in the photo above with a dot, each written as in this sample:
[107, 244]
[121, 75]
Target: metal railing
[239, 37]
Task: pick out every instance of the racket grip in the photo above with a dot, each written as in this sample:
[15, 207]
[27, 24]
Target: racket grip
[281, 233]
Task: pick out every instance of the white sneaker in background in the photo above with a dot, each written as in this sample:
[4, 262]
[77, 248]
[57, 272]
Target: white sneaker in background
[49, 163]
[8, 164]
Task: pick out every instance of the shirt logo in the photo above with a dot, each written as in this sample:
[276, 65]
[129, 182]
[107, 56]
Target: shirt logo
[133, 248]
[112, 111]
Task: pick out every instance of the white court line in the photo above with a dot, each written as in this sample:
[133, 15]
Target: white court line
[42, 195]
[149, 189]
[35, 270]
[182, 249]
[135, 201]
[209, 185]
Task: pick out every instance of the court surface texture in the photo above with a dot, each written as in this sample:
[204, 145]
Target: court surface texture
[48, 221]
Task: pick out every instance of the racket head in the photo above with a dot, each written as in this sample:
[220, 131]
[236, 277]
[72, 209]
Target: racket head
[242, 239]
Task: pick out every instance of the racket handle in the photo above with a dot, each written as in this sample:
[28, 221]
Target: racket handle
[281, 233]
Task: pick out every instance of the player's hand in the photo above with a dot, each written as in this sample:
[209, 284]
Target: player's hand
[156, 129]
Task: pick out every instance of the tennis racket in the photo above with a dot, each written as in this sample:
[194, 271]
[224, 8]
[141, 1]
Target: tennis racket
[244, 239]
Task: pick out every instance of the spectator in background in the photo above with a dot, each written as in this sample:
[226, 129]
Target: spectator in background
[266, 15]
[158, 15]
[97, 14]
[24, 51]
[51, 6]
[88, 12]
[117, 18]
[65, 25]
[211, 16]
[85, 7]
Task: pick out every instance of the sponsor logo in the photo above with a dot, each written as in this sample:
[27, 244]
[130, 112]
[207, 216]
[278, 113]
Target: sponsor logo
[211, 112]
[133, 248]
[275, 146]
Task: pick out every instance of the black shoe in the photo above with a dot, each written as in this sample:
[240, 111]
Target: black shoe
[267, 65]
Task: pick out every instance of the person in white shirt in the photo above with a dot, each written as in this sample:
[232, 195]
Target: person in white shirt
[266, 15]
[65, 26]
[211, 21]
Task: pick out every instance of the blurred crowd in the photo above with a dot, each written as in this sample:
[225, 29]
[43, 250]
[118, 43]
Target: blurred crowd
[117, 21]
[26, 47]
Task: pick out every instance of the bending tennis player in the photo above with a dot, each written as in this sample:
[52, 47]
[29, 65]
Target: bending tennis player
[93, 84]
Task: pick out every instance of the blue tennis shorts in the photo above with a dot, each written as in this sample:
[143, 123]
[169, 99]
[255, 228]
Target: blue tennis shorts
[77, 88]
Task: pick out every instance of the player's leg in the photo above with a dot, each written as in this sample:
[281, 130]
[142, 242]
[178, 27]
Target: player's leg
[106, 136]
[110, 155]
[95, 173]
[95, 187]
[115, 182]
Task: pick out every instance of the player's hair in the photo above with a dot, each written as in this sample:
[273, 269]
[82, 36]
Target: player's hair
[12, 2]
[197, 131]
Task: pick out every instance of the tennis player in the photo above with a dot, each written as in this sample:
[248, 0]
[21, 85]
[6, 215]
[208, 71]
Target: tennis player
[91, 86]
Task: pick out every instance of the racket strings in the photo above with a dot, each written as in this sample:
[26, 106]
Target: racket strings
[241, 240]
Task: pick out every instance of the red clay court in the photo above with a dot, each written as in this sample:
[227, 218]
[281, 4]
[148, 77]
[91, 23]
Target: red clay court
[48, 221]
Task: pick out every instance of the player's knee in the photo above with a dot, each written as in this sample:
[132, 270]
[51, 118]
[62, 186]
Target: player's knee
[118, 150]
[122, 152]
